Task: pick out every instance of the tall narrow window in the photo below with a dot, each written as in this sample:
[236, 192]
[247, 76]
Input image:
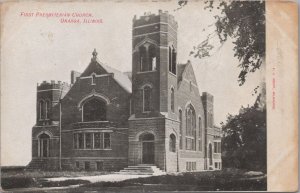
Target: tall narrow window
[190, 128]
[174, 61]
[146, 98]
[152, 58]
[172, 143]
[106, 140]
[42, 109]
[97, 140]
[75, 140]
[80, 141]
[180, 129]
[47, 109]
[172, 99]
[88, 140]
[170, 59]
[44, 145]
[143, 59]
[93, 79]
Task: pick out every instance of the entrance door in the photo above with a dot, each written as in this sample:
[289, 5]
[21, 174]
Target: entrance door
[147, 141]
[148, 152]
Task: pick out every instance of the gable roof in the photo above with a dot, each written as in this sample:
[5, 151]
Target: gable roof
[186, 71]
[180, 70]
[119, 76]
[98, 67]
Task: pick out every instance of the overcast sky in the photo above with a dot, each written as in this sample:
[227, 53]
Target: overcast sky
[37, 49]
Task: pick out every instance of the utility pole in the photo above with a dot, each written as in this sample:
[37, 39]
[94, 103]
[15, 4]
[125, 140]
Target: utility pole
[59, 134]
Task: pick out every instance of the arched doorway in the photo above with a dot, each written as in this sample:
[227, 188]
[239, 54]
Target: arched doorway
[44, 140]
[147, 141]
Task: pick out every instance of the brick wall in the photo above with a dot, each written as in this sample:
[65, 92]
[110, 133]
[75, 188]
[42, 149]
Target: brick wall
[138, 127]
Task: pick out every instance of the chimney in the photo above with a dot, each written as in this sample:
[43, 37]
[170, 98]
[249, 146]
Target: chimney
[74, 76]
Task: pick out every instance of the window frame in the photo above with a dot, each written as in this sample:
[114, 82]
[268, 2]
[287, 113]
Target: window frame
[77, 143]
[41, 109]
[172, 99]
[144, 100]
[172, 143]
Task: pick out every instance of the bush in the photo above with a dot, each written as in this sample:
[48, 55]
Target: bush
[17, 182]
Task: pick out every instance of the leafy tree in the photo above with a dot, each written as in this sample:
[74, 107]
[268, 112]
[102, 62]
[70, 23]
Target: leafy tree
[244, 23]
[244, 141]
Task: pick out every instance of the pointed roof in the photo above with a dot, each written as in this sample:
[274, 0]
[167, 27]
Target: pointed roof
[180, 70]
[119, 76]
[98, 67]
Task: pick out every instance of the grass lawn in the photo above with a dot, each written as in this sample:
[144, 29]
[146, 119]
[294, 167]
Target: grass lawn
[225, 180]
[18, 177]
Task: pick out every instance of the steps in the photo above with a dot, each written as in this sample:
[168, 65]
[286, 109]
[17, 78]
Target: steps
[36, 164]
[141, 169]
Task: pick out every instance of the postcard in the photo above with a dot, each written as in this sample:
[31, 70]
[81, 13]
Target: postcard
[144, 96]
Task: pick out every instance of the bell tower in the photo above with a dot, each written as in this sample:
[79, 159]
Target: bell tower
[154, 52]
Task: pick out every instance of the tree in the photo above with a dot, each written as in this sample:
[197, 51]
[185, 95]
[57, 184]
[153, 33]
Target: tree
[244, 141]
[244, 23]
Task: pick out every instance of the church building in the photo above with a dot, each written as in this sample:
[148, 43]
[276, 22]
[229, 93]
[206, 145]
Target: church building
[108, 120]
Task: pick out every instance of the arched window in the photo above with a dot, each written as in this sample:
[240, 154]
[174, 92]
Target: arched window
[180, 129]
[93, 79]
[47, 108]
[172, 99]
[146, 98]
[94, 110]
[174, 55]
[172, 143]
[170, 59]
[190, 128]
[42, 109]
[143, 59]
[44, 145]
[152, 58]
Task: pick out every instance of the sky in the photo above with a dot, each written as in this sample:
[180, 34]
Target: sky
[34, 49]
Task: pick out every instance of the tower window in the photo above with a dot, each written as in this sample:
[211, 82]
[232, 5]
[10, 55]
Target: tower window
[47, 108]
[143, 65]
[172, 60]
[172, 99]
[174, 55]
[146, 98]
[42, 109]
[152, 57]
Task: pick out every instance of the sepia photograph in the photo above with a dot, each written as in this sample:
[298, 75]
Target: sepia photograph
[136, 96]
